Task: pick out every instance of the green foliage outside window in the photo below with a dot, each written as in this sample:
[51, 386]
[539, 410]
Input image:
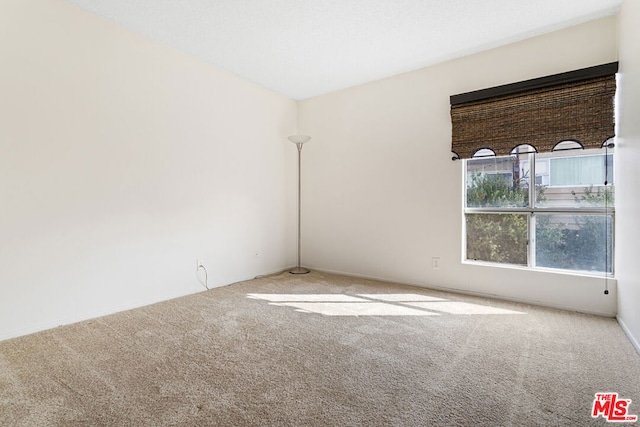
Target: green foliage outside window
[565, 241]
[498, 238]
[495, 191]
[577, 242]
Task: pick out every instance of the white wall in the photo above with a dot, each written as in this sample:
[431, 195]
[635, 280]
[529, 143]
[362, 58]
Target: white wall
[121, 163]
[382, 196]
[628, 173]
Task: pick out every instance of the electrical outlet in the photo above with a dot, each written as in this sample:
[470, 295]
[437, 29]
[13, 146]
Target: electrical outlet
[435, 263]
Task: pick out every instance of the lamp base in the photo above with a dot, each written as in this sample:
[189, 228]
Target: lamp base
[299, 270]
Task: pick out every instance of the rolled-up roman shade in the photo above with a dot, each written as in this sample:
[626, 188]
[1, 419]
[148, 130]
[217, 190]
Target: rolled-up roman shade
[574, 106]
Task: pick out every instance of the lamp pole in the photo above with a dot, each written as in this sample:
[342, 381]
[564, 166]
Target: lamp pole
[299, 140]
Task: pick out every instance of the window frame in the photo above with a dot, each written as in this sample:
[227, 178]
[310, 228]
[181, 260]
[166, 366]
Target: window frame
[531, 212]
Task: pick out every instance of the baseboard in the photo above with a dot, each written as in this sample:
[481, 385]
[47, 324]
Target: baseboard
[39, 327]
[629, 335]
[470, 293]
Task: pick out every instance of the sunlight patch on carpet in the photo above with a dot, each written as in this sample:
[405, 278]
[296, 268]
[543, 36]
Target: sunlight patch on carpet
[307, 297]
[401, 297]
[456, 307]
[356, 309]
[377, 305]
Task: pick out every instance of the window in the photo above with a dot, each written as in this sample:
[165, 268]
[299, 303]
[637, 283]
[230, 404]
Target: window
[542, 204]
[562, 218]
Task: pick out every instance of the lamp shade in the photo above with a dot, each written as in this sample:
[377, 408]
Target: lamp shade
[299, 139]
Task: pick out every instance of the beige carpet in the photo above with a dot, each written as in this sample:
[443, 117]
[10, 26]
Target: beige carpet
[319, 350]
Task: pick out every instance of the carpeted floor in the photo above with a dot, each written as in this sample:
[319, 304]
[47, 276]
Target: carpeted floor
[319, 350]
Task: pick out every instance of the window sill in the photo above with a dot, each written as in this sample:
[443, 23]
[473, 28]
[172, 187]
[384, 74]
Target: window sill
[573, 273]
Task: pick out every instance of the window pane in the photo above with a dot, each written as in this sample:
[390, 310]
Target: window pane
[582, 170]
[497, 238]
[566, 179]
[497, 182]
[575, 242]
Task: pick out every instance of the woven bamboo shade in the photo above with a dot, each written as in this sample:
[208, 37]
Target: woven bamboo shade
[581, 111]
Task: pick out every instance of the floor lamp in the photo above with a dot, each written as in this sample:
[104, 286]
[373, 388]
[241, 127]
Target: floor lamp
[299, 140]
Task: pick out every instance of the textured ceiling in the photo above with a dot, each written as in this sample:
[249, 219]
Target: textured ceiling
[304, 48]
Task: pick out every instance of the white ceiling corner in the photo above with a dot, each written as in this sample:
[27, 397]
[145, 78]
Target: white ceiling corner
[305, 48]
